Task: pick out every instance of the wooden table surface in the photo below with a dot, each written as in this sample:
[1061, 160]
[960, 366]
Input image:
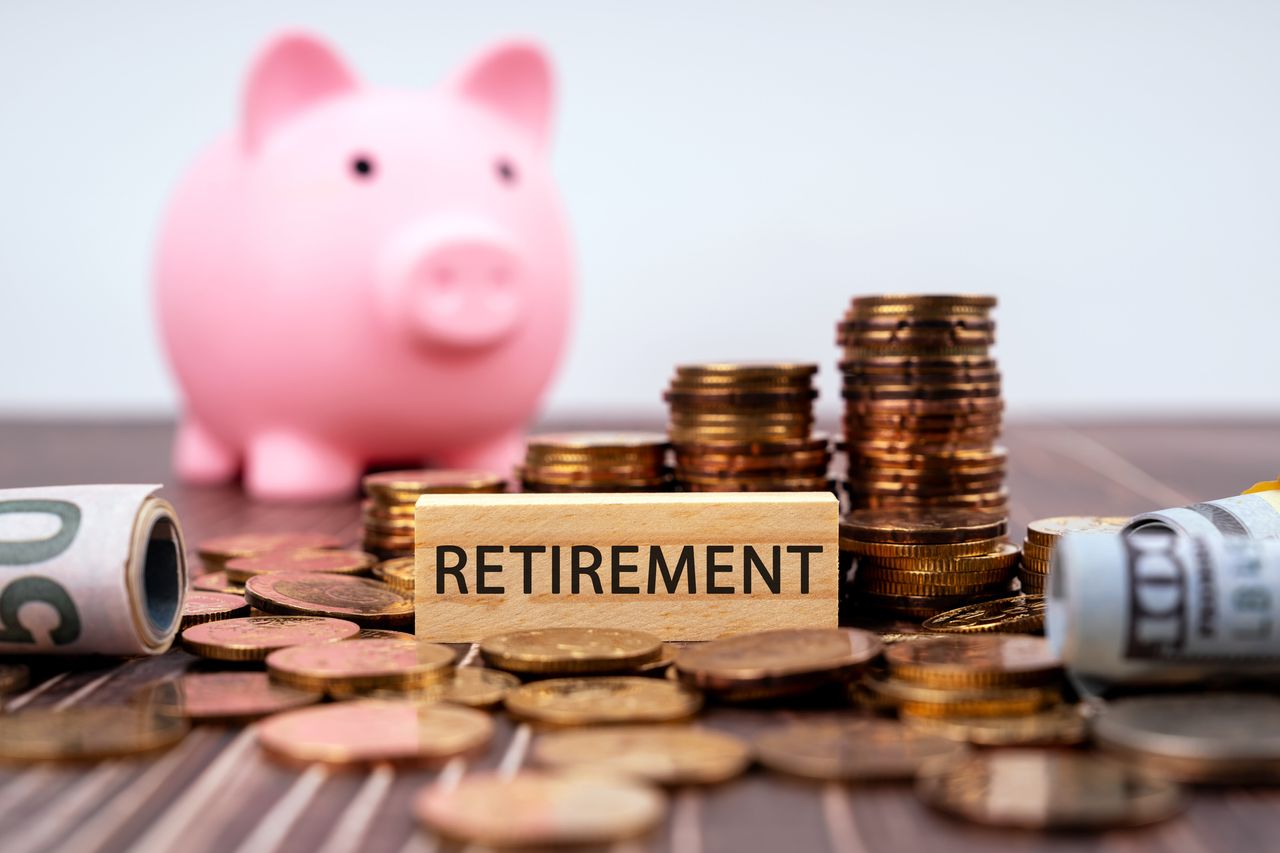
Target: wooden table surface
[216, 792]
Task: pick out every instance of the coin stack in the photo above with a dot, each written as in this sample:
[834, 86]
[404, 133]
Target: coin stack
[919, 563]
[1043, 535]
[388, 510]
[747, 428]
[922, 403]
[596, 462]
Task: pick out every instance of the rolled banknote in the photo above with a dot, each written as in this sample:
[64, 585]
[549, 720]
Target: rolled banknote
[1158, 606]
[89, 570]
[1256, 516]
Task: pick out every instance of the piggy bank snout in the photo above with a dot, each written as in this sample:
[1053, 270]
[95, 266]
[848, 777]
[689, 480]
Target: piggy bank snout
[457, 288]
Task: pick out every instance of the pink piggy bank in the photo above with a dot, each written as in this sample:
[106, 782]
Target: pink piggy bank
[360, 275]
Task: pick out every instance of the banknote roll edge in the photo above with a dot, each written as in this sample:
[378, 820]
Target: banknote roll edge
[157, 573]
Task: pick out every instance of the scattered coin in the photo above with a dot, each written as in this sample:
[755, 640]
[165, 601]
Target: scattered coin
[980, 660]
[663, 754]
[659, 665]
[1203, 738]
[370, 603]
[332, 561]
[535, 810]
[369, 731]
[223, 697]
[570, 650]
[200, 606]
[1017, 615]
[398, 573]
[86, 734]
[214, 553]
[611, 699]
[774, 663]
[1046, 789]
[888, 638]
[851, 750]
[13, 677]
[384, 634]
[217, 582]
[254, 637]
[354, 666]
[972, 702]
[1063, 726]
[473, 686]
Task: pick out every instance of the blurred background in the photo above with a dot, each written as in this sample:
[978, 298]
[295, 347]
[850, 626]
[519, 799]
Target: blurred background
[734, 172]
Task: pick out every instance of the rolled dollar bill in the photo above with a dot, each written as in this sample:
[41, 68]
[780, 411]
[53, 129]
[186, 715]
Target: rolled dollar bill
[89, 570]
[1158, 605]
[1256, 516]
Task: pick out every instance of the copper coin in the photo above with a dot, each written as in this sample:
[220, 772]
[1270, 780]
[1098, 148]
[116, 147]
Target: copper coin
[1018, 614]
[664, 754]
[602, 699]
[86, 734]
[925, 527]
[344, 669]
[216, 582]
[782, 660]
[370, 603]
[224, 697]
[334, 561]
[570, 650]
[473, 686]
[254, 637]
[1001, 660]
[215, 552]
[399, 573]
[395, 487]
[852, 750]
[200, 606]
[383, 634]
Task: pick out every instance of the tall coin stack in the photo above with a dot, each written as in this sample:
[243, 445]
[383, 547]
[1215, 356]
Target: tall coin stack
[596, 462]
[746, 428]
[388, 511]
[922, 403]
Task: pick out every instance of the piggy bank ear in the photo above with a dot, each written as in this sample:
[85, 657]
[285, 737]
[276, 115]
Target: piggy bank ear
[514, 80]
[294, 72]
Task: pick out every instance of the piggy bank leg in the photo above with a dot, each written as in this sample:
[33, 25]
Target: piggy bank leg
[294, 467]
[200, 458]
[498, 455]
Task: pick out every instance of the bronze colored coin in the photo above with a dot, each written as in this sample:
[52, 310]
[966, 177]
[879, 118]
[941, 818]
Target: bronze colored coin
[332, 561]
[383, 634]
[891, 637]
[537, 811]
[851, 353]
[608, 699]
[1021, 614]
[200, 606]
[927, 527]
[1038, 553]
[782, 660]
[570, 650]
[86, 734]
[393, 527]
[345, 669]
[737, 371]
[1062, 726]
[898, 488]
[816, 441]
[223, 697]
[994, 503]
[1046, 789]
[659, 665]
[370, 603]
[981, 660]
[216, 582]
[613, 484]
[918, 365]
[663, 754]
[371, 510]
[214, 553]
[939, 586]
[399, 573]
[882, 552]
[1031, 584]
[254, 637]
[598, 442]
[377, 542]
[972, 702]
[1001, 559]
[816, 484]
[13, 677]
[393, 487]
[922, 392]
[371, 731]
[851, 750]
[918, 302]
[1046, 531]
[928, 605]
[473, 686]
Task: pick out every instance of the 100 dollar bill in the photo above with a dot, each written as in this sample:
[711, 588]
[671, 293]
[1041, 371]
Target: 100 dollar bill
[1255, 516]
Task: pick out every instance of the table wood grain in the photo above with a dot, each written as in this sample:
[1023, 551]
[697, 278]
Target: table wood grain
[216, 792]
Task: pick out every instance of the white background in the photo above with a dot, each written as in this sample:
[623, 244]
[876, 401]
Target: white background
[735, 172]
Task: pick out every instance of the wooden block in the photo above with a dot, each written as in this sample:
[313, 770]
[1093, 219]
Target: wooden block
[681, 566]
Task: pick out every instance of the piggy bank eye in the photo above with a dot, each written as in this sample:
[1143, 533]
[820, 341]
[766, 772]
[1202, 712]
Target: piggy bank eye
[506, 171]
[362, 166]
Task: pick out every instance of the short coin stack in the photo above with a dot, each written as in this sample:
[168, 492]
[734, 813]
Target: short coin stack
[747, 428]
[596, 462]
[1043, 534]
[922, 403]
[388, 510]
[921, 563]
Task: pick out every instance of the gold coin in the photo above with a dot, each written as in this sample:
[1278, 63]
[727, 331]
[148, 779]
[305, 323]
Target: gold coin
[1046, 531]
[1046, 789]
[13, 677]
[972, 702]
[473, 686]
[534, 810]
[383, 634]
[345, 669]
[332, 561]
[659, 665]
[663, 754]
[200, 606]
[398, 487]
[570, 650]
[738, 371]
[594, 441]
[1037, 553]
[777, 662]
[930, 527]
[914, 303]
[370, 603]
[980, 660]
[254, 637]
[999, 561]
[86, 734]
[891, 637]
[223, 697]
[883, 551]
[215, 552]
[399, 573]
[609, 699]
[371, 510]
[1021, 614]
[216, 582]
[884, 587]
[851, 750]
[371, 731]
[1035, 567]
[1062, 726]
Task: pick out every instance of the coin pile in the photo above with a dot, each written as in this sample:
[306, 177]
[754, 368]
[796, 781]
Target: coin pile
[919, 563]
[596, 462]
[746, 428]
[388, 509]
[1043, 535]
[922, 403]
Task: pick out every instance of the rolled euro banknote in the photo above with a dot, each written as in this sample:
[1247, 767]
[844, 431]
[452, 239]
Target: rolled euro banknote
[1256, 516]
[89, 570]
[1161, 606]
